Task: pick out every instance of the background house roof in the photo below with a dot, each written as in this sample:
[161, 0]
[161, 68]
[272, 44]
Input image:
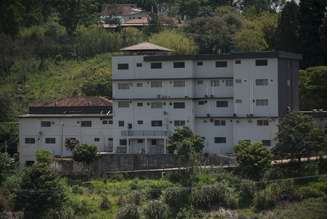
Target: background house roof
[120, 9]
[145, 46]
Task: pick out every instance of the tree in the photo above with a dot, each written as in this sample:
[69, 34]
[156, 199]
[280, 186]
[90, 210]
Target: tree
[185, 145]
[313, 88]
[39, 191]
[11, 15]
[6, 165]
[43, 156]
[288, 28]
[297, 137]
[312, 14]
[179, 42]
[253, 159]
[154, 25]
[85, 153]
[250, 40]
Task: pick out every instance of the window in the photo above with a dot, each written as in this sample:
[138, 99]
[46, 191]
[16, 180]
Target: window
[153, 142]
[199, 63]
[123, 66]
[123, 142]
[139, 64]
[156, 84]
[238, 81]
[156, 123]
[239, 101]
[156, 105]
[221, 64]
[202, 102]
[261, 82]
[50, 141]
[156, 65]
[220, 140]
[140, 84]
[121, 123]
[261, 62]
[139, 104]
[139, 122]
[29, 163]
[238, 62]
[266, 143]
[229, 82]
[140, 141]
[215, 83]
[262, 102]
[97, 139]
[179, 83]
[86, 123]
[123, 104]
[45, 123]
[219, 122]
[29, 140]
[123, 86]
[178, 64]
[121, 150]
[107, 121]
[199, 82]
[221, 103]
[179, 123]
[262, 122]
[178, 105]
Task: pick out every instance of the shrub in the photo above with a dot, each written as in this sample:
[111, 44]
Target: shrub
[213, 196]
[176, 198]
[43, 156]
[77, 189]
[85, 153]
[135, 197]
[128, 212]
[105, 203]
[309, 192]
[247, 189]
[156, 210]
[185, 213]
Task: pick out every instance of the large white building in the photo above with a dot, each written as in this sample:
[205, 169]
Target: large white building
[222, 98]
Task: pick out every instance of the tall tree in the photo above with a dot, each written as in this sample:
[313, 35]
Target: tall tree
[312, 13]
[11, 16]
[288, 28]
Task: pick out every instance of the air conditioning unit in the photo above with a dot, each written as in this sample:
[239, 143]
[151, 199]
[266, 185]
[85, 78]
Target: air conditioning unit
[211, 120]
[234, 115]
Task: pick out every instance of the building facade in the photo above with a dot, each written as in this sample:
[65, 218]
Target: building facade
[222, 98]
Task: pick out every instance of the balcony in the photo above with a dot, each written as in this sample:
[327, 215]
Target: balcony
[148, 133]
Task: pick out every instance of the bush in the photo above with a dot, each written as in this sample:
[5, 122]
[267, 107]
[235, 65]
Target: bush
[105, 203]
[43, 156]
[128, 212]
[85, 153]
[214, 196]
[176, 198]
[156, 210]
[135, 198]
[309, 192]
[77, 189]
[247, 189]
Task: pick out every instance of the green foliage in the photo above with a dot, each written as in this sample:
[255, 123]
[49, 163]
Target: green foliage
[156, 210]
[6, 166]
[85, 153]
[43, 156]
[105, 203]
[176, 198]
[253, 159]
[11, 12]
[177, 41]
[98, 85]
[247, 189]
[297, 137]
[313, 87]
[128, 212]
[39, 191]
[250, 40]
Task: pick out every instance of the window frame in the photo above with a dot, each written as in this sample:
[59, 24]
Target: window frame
[220, 122]
[262, 82]
[220, 140]
[178, 64]
[50, 140]
[221, 64]
[86, 123]
[225, 105]
[156, 123]
[259, 102]
[122, 66]
[156, 84]
[27, 140]
[156, 65]
[45, 124]
[261, 62]
[176, 105]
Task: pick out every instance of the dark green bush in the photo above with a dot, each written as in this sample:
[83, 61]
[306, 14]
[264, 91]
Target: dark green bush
[105, 203]
[176, 198]
[128, 212]
[153, 192]
[156, 210]
[309, 192]
[247, 189]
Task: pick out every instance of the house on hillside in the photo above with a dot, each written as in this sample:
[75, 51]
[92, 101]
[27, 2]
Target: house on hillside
[52, 126]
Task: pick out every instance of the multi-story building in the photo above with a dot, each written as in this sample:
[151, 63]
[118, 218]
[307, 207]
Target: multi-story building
[85, 120]
[223, 98]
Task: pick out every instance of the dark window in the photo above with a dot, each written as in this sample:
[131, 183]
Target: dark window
[29, 163]
[157, 123]
[153, 142]
[179, 123]
[199, 63]
[140, 122]
[178, 64]
[261, 82]
[45, 123]
[221, 64]
[237, 62]
[179, 105]
[262, 102]
[121, 123]
[140, 104]
[29, 140]
[261, 62]
[139, 64]
[97, 139]
[221, 103]
[140, 141]
[123, 142]
[202, 102]
[220, 140]
[50, 140]
[219, 122]
[123, 66]
[123, 104]
[262, 122]
[129, 126]
[266, 142]
[140, 84]
[107, 121]
[86, 123]
[156, 65]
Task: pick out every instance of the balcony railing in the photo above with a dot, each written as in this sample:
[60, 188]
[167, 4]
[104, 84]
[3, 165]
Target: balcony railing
[144, 133]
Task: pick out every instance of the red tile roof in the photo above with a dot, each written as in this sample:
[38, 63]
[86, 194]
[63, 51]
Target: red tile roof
[79, 101]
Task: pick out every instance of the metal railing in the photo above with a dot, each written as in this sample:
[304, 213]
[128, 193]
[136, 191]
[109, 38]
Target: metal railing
[144, 133]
